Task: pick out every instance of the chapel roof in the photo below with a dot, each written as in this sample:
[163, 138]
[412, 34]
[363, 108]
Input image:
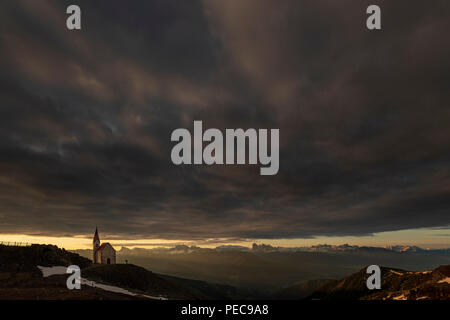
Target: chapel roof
[104, 245]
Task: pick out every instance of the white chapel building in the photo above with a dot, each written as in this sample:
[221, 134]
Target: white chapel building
[104, 253]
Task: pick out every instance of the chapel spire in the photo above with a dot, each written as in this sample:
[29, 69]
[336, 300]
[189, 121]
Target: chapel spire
[96, 237]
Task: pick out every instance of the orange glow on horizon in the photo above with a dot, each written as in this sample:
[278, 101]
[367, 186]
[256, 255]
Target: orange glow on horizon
[425, 238]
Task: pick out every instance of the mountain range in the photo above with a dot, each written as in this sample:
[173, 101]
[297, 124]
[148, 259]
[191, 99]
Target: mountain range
[264, 270]
[260, 273]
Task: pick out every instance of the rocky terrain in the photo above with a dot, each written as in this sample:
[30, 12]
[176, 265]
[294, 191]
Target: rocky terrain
[396, 284]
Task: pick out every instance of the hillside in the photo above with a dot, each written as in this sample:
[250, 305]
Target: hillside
[300, 290]
[25, 259]
[396, 284]
[21, 279]
[215, 291]
[138, 280]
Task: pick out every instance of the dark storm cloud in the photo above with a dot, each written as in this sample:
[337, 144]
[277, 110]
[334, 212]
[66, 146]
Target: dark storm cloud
[86, 117]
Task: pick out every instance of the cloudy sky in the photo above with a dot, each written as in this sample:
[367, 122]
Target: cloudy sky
[86, 118]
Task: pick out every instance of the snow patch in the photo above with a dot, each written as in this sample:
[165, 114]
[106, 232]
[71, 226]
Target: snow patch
[56, 270]
[396, 272]
[115, 289]
[51, 271]
[400, 297]
[425, 272]
[445, 280]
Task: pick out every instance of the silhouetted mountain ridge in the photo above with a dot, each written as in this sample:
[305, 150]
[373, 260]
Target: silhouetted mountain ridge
[396, 284]
[21, 279]
[21, 259]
